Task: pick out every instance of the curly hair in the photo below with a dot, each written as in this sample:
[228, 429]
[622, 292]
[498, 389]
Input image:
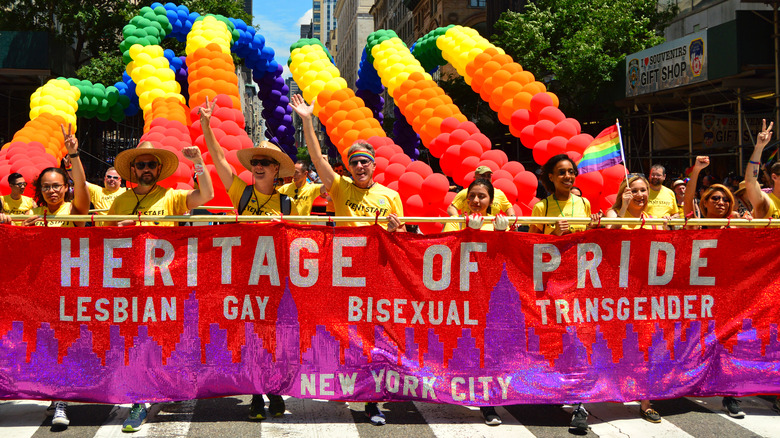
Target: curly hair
[548, 167]
[39, 199]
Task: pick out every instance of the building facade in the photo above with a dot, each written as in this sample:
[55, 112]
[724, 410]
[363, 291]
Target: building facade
[323, 19]
[355, 24]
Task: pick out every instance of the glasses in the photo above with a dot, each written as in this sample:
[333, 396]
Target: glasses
[116, 177]
[55, 187]
[265, 162]
[20, 185]
[361, 162]
[562, 172]
[631, 175]
[718, 198]
[141, 165]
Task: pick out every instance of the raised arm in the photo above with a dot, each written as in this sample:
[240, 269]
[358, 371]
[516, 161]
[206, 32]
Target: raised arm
[327, 175]
[80, 204]
[215, 150]
[205, 191]
[753, 191]
[690, 188]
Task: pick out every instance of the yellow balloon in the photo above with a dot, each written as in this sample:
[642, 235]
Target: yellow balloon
[335, 84]
[135, 49]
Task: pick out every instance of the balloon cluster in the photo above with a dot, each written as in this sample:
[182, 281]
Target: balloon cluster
[148, 28]
[404, 134]
[313, 69]
[127, 88]
[179, 67]
[426, 50]
[100, 101]
[168, 130]
[459, 45]
[153, 78]
[210, 29]
[392, 59]
[56, 97]
[250, 46]
[211, 72]
[26, 157]
[276, 111]
[179, 17]
[368, 78]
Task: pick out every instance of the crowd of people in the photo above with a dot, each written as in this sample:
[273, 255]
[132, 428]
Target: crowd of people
[351, 191]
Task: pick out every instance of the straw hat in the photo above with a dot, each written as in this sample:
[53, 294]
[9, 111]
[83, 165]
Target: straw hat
[270, 150]
[125, 159]
[740, 189]
[677, 183]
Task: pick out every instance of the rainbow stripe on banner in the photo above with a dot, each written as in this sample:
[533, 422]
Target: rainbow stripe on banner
[603, 152]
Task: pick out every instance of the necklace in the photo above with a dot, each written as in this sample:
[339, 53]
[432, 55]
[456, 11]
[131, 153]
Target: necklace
[138, 201]
[257, 201]
[560, 209]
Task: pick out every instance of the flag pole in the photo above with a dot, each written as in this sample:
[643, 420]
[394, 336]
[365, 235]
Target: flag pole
[622, 154]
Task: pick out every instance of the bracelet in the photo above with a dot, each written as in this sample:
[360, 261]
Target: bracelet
[74, 155]
[758, 163]
[68, 168]
[198, 169]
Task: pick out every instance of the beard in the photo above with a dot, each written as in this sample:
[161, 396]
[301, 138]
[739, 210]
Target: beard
[147, 179]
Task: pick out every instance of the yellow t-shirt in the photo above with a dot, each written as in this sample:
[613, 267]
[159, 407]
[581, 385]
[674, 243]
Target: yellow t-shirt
[639, 225]
[350, 200]
[661, 203]
[101, 198]
[63, 210]
[161, 201]
[774, 207]
[457, 226]
[576, 206]
[259, 204]
[17, 206]
[302, 200]
[500, 201]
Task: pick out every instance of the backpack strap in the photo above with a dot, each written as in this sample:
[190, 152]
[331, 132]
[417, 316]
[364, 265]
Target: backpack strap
[285, 204]
[246, 195]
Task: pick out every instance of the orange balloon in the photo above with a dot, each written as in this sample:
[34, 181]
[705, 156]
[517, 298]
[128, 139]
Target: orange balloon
[355, 114]
[442, 111]
[338, 117]
[555, 99]
[350, 137]
[502, 59]
[522, 100]
[367, 133]
[404, 87]
[361, 125]
[416, 76]
[342, 94]
[366, 112]
[348, 105]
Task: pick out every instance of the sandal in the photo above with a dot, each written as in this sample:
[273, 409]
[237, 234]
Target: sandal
[651, 415]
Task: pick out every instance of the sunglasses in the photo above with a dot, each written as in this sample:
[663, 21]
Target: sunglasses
[141, 165]
[20, 185]
[362, 162]
[265, 162]
[55, 187]
[116, 177]
[718, 198]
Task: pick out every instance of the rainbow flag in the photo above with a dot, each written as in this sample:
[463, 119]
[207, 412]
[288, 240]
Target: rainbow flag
[603, 152]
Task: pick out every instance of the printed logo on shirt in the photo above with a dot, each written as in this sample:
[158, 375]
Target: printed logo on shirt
[360, 208]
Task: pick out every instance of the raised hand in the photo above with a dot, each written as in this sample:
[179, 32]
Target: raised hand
[763, 137]
[300, 107]
[71, 143]
[702, 161]
[192, 153]
[206, 111]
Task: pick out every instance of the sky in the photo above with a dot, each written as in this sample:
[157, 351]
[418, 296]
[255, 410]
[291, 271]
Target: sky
[280, 23]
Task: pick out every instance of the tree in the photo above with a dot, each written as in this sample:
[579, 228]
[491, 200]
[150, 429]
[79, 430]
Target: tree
[576, 46]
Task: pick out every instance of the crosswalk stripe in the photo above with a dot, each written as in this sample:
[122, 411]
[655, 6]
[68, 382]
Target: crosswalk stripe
[620, 420]
[312, 418]
[452, 421]
[172, 420]
[112, 426]
[21, 418]
[758, 419]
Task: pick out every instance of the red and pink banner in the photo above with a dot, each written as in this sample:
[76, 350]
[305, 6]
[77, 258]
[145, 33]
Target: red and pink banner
[474, 317]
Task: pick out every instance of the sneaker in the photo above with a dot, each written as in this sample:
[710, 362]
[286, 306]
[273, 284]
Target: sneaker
[375, 416]
[579, 419]
[136, 418]
[776, 404]
[731, 406]
[490, 415]
[51, 408]
[60, 417]
[276, 406]
[257, 408]
[651, 415]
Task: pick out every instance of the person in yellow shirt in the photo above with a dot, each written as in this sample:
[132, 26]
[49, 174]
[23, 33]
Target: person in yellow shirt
[102, 197]
[500, 201]
[558, 176]
[145, 166]
[359, 197]
[661, 200]
[52, 190]
[765, 205]
[16, 202]
[479, 197]
[679, 188]
[301, 193]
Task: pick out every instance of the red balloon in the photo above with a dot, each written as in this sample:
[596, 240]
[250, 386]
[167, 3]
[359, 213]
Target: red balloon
[501, 173]
[540, 152]
[540, 101]
[385, 151]
[483, 141]
[496, 155]
[450, 161]
[419, 167]
[556, 145]
[552, 114]
[414, 206]
[5, 189]
[379, 178]
[574, 156]
[489, 163]
[394, 171]
[527, 137]
[439, 145]
[393, 185]
[247, 177]
[469, 127]
[381, 164]
[465, 169]
[590, 183]
[607, 202]
[526, 184]
[522, 209]
[434, 187]
[470, 148]
[613, 176]
[458, 136]
[409, 184]
[566, 129]
[579, 143]
[431, 228]
[401, 158]
[575, 123]
[543, 130]
[449, 124]
[507, 186]
[513, 167]
[520, 119]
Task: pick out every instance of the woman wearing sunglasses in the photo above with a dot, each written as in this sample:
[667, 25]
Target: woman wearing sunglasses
[52, 190]
[265, 161]
[717, 202]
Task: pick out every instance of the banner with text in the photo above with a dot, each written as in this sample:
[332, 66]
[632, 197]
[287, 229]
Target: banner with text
[472, 317]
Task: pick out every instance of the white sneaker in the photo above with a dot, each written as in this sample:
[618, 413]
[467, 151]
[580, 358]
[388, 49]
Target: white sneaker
[60, 419]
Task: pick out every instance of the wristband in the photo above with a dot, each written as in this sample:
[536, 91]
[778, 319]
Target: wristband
[69, 167]
[758, 163]
[198, 169]
[74, 155]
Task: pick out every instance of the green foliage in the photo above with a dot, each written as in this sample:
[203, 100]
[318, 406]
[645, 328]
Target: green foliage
[303, 154]
[576, 47]
[227, 8]
[106, 69]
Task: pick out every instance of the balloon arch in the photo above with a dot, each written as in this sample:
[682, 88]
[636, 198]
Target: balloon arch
[156, 81]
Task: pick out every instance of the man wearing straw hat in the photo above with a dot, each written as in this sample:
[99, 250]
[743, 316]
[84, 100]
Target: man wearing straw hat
[146, 166]
[359, 197]
[266, 162]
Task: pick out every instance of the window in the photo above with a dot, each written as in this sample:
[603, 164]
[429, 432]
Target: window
[316, 16]
[477, 3]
